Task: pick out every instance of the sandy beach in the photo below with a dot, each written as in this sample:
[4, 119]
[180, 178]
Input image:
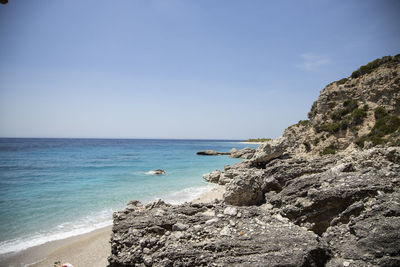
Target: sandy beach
[91, 249]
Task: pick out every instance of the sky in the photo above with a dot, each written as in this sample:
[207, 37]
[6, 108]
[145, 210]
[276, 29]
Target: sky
[179, 68]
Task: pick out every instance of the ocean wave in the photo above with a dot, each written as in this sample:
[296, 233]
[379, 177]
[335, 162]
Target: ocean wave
[85, 225]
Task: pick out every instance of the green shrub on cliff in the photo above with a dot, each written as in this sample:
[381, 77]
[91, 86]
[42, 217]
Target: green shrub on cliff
[358, 115]
[348, 107]
[365, 69]
[386, 125]
[350, 104]
[258, 140]
[385, 129]
[371, 66]
[313, 110]
[380, 113]
[332, 127]
[347, 117]
[328, 150]
[342, 81]
[303, 122]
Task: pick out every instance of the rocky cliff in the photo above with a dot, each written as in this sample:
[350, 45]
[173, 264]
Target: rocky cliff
[364, 107]
[326, 193]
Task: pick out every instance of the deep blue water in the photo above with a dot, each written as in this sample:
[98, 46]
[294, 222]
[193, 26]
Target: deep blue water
[55, 188]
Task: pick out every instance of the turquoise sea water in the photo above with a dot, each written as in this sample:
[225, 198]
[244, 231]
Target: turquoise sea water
[56, 188]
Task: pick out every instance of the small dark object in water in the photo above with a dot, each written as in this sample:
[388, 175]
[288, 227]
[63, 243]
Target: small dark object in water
[159, 172]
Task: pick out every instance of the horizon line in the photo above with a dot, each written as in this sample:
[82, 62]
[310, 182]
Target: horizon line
[125, 138]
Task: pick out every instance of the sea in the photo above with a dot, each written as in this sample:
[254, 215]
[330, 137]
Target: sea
[53, 189]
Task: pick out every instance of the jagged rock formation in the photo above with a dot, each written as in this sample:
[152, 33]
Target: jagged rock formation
[326, 193]
[245, 153]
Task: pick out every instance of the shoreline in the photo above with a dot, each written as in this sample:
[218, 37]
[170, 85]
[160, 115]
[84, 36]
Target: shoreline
[252, 143]
[89, 249]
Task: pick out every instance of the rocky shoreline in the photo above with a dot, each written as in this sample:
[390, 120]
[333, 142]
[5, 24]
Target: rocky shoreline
[317, 196]
[330, 211]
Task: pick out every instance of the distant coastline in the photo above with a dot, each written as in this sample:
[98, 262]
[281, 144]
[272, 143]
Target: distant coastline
[256, 141]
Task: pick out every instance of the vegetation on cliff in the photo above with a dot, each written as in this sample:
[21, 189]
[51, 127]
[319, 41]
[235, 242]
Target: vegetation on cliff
[328, 150]
[364, 107]
[343, 118]
[258, 140]
[371, 66]
[386, 129]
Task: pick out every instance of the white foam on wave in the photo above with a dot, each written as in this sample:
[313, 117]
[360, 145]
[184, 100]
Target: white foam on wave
[187, 194]
[85, 225]
[150, 173]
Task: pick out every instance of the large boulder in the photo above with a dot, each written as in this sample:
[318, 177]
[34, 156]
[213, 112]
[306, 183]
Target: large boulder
[212, 177]
[245, 188]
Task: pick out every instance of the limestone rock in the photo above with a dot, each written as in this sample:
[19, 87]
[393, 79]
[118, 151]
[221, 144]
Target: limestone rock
[245, 188]
[245, 153]
[257, 239]
[372, 237]
[232, 211]
[212, 177]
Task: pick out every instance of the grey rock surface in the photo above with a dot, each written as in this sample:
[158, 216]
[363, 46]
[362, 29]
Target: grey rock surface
[257, 238]
[327, 195]
[245, 153]
[372, 238]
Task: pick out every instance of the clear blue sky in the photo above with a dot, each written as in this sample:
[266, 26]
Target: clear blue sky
[179, 69]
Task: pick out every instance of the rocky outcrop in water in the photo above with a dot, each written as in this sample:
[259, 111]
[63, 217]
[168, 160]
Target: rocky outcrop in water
[245, 153]
[326, 193]
[212, 153]
[159, 172]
